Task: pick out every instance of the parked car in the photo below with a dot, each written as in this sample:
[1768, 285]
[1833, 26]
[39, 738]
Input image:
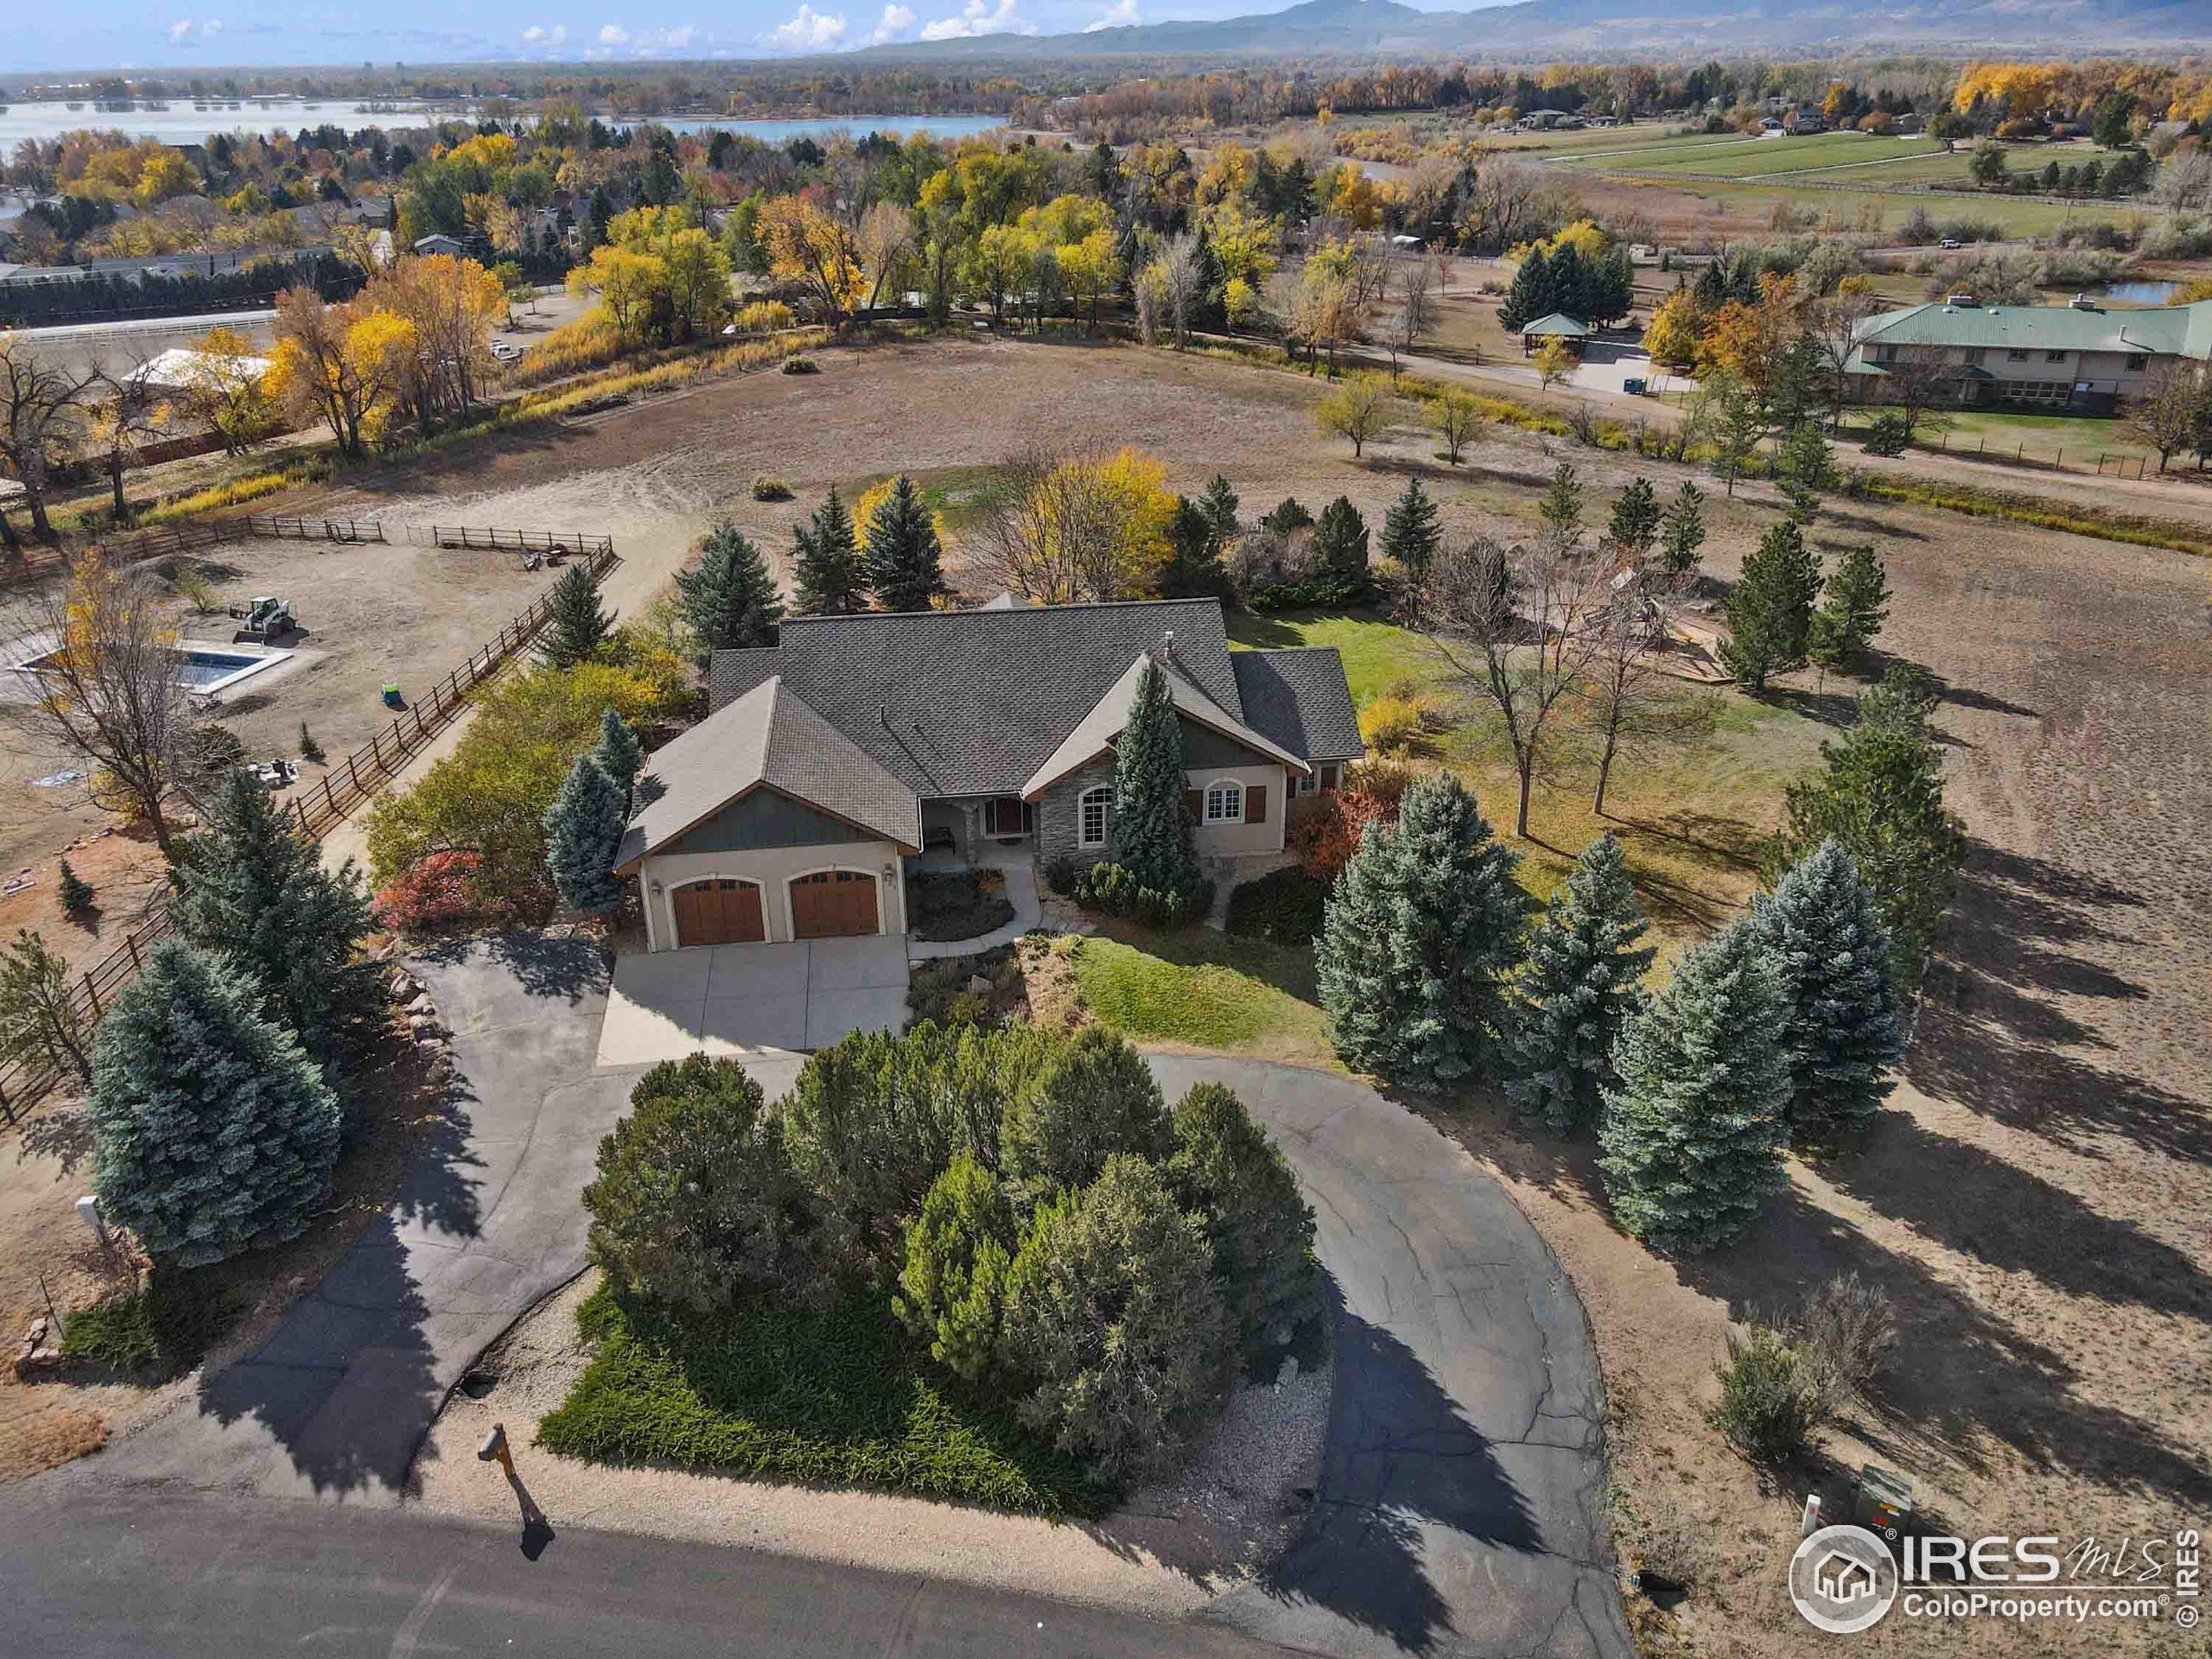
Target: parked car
[1950, 244]
[504, 352]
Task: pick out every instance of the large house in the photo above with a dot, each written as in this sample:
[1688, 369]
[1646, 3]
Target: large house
[858, 743]
[2081, 358]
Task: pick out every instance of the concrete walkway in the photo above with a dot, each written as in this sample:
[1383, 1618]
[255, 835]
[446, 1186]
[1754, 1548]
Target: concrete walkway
[487, 1222]
[1461, 1511]
[1020, 892]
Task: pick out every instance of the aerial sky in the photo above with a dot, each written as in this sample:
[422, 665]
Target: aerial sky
[185, 33]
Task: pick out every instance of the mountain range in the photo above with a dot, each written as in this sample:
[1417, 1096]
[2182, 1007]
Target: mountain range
[1339, 28]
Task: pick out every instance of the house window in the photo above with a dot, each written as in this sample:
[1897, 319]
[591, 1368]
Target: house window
[1328, 780]
[1225, 803]
[2138, 362]
[1006, 815]
[1091, 816]
[1972, 357]
[2053, 356]
[2016, 356]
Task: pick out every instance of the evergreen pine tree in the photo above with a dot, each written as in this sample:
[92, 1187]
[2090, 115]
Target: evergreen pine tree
[1219, 505]
[213, 1131]
[1150, 827]
[1769, 610]
[1569, 284]
[1193, 568]
[577, 626]
[1582, 983]
[1340, 544]
[1682, 533]
[1853, 606]
[729, 598]
[1417, 938]
[583, 828]
[1841, 1032]
[1411, 532]
[72, 890]
[619, 752]
[1692, 1136]
[1804, 470]
[1881, 796]
[1561, 506]
[1635, 523]
[905, 565]
[828, 562]
[252, 889]
[1528, 296]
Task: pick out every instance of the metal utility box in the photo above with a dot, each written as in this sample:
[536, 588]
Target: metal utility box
[1881, 1502]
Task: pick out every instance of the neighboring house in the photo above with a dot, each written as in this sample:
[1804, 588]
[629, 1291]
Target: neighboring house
[859, 742]
[1805, 118]
[1771, 126]
[438, 242]
[1909, 126]
[2081, 359]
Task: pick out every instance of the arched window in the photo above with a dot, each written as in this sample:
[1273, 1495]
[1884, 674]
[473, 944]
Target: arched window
[1091, 807]
[1225, 801]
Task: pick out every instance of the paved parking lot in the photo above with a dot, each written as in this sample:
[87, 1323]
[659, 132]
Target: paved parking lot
[738, 1000]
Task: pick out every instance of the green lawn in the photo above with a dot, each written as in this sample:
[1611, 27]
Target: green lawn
[1377, 653]
[839, 1394]
[2079, 439]
[1205, 989]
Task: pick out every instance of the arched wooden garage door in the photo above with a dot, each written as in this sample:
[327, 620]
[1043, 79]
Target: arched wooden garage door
[831, 904]
[721, 912]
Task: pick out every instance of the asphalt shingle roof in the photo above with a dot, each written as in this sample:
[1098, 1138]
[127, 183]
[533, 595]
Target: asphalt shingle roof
[1096, 732]
[769, 736]
[971, 703]
[1297, 698]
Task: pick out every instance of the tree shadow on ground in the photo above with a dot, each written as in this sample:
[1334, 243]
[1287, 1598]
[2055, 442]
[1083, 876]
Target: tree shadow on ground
[345, 1383]
[1963, 1374]
[61, 1133]
[573, 968]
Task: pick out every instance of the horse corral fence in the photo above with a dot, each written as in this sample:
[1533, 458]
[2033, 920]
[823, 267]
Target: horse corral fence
[348, 783]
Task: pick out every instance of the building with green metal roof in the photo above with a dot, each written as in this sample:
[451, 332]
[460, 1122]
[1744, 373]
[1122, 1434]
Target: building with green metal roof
[2079, 359]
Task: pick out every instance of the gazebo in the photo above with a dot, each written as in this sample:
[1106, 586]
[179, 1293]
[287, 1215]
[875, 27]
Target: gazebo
[1558, 325]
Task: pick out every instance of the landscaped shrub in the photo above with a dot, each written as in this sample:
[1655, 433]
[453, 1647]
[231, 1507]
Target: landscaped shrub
[1284, 905]
[694, 1201]
[959, 1258]
[1227, 1172]
[1093, 1097]
[1322, 831]
[436, 892]
[1115, 890]
[768, 488]
[1889, 435]
[1390, 725]
[1772, 1400]
[1845, 1334]
[1114, 1318]
[957, 904]
[801, 366]
[874, 1118]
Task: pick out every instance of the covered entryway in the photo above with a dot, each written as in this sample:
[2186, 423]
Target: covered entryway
[834, 904]
[719, 912]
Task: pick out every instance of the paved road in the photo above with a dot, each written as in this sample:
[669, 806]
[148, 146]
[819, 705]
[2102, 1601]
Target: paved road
[209, 1576]
[1461, 1509]
[487, 1222]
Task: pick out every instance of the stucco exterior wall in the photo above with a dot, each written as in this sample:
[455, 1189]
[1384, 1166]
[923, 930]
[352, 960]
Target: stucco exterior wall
[772, 868]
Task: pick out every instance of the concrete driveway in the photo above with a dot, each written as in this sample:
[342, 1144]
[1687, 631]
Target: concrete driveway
[1461, 1510]
[487, 1222]
[740, 1000]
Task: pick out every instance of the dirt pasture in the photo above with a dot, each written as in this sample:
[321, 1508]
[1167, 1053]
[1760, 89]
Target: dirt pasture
[2036, 1202]
[369, 614]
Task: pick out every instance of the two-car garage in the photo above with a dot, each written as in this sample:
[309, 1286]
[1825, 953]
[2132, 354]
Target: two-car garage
[825, 904]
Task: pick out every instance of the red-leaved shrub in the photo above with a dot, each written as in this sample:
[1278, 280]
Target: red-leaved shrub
[439, 891]
[1323, 831]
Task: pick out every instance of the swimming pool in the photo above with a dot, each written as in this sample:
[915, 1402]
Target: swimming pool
[205, 669]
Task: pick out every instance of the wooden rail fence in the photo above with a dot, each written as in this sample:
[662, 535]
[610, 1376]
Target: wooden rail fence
[319, 807]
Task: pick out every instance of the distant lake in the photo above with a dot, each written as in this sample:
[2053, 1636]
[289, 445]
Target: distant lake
[185, 123]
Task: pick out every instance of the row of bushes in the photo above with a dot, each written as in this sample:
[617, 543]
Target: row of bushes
[1059, 1242]
[1113, 891]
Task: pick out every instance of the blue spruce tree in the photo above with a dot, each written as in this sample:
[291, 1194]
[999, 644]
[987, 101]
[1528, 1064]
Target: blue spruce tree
[583, 830]
[1150, 829]
[1582, 984]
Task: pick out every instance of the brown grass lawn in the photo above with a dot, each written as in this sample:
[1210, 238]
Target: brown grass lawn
[2038, 1200]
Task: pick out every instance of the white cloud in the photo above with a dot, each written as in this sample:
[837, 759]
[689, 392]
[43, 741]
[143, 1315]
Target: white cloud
[537, 35]
[808, 30]
[186, 32]
[978, 18]
[613, 34]
[1122, 14]
[212, 26]
[896, 21]
[675, 40]
[181, 30]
